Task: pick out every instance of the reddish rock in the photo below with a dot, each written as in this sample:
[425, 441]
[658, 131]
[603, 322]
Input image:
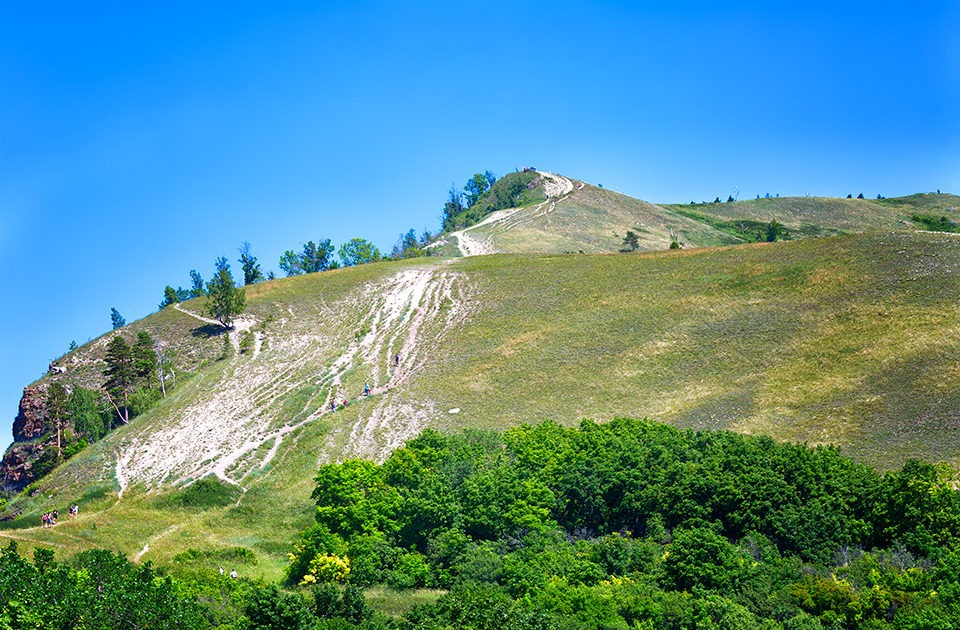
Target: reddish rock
[31, 422]
[16, 468]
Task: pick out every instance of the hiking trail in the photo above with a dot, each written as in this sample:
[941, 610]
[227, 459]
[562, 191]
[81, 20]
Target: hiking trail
[556, 188]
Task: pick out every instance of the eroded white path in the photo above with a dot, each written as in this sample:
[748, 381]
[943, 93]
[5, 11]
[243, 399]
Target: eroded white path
[556, 187]
[244, 421]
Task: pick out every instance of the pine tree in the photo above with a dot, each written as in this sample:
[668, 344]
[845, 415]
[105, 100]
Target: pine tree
[121, 376]
[116, 319]
[196, 290]
[144, 358]
[251, 269]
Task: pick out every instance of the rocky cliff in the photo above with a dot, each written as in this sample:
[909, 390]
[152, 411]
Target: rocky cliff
[16, 468]
[31, 421]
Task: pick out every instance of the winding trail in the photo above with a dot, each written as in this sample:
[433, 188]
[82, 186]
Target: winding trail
[556, 187]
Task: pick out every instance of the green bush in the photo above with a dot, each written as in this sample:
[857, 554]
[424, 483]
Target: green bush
[206, 493]
[700, 558]
[142, 399]
[270, 608]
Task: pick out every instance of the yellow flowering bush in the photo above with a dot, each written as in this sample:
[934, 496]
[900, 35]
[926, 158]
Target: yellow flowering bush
[327, 567]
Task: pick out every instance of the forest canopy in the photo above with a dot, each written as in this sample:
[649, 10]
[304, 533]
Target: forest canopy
[644, 525]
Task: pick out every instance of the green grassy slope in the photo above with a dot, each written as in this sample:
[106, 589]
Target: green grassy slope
[848, 340]
[826, 216]
[591, 219]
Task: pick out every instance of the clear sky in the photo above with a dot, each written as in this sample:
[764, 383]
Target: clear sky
[139, 141]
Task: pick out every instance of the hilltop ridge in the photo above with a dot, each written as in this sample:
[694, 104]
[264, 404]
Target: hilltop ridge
[557, 214]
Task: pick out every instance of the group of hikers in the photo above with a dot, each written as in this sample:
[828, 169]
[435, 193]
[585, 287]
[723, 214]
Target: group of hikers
[49, 518]
[366, 389]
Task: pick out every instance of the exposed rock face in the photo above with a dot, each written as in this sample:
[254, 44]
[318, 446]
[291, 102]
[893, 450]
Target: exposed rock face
[31, 422]
[16, 468]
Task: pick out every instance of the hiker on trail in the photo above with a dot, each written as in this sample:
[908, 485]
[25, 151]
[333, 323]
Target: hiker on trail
[396, 360]
[333, 405]
[233, 574]
[344, 403]
[56, 515]
[221, 570]
[366, 389]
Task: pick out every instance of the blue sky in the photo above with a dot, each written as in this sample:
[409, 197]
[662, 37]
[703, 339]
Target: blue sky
[139, 141]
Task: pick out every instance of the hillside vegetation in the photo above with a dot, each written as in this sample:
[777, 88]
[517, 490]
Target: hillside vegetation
[847, 340]
[556, 215]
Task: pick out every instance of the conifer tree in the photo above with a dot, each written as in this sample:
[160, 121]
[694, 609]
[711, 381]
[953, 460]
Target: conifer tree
[121, 376]
[144, 358]
[251, 268]
[116, 319]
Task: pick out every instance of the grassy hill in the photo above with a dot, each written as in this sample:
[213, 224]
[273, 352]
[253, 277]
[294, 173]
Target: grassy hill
[849, 340]
[808, 217]
[582, 218]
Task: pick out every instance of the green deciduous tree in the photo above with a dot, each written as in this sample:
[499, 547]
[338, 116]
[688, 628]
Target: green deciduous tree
[57, 411]
[315, 257]
[353, 497]
[631, 241]
[290, 263]
[84, 414]
[358, 251]
[699, 557]
[269, 608]
[477, 185]
[224, 299]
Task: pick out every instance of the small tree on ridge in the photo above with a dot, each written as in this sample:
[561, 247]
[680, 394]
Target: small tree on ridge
[225, 300]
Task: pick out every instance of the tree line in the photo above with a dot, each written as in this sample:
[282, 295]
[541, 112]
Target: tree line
[485, 193]
[312, 258]
[635, 524]
[626, 525]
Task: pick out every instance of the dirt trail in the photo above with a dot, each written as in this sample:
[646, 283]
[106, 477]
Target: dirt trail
[239, 326]
[556, 187]
[443, 305]
[243, 422]
[146, 546]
